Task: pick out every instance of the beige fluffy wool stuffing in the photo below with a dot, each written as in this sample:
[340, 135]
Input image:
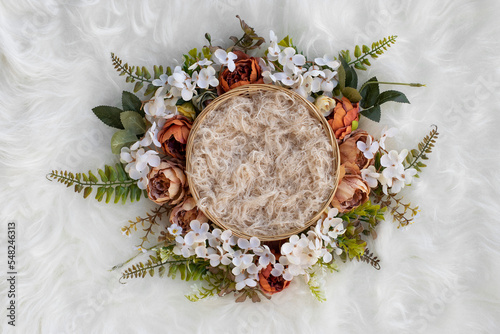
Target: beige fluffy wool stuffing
[262, 165]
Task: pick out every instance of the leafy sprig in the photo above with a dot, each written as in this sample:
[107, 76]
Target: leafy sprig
[362, 53]
[368, 257]
[138, 74]
[148, 223]
[414, 157]
[249, 41]
[112, 181]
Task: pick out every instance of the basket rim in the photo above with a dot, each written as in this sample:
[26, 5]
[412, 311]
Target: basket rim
[252, 89]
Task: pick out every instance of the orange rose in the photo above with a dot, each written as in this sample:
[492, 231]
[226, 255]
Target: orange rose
[342, 117]
[352, 191]
[270, 284]
[349, 151]
[173, 137]
[167, 183]
[247, 71]
[186, 212]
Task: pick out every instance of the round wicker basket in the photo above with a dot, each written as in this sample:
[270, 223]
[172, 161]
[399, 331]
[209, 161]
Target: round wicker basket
[247, 91]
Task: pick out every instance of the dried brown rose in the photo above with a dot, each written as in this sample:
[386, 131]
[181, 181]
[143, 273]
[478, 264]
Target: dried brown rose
[186, 212]
[173, 136]
[247, 71]
[167, 183]
[344, 113]
[352, 191]
[349, 151]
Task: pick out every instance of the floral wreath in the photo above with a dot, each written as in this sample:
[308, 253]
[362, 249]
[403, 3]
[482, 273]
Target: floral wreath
[151, 141]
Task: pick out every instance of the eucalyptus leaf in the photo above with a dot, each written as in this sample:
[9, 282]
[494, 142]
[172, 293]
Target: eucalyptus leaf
[372, 113]
[369, 93]
[121, 139]
[133, 122]
[341, 72]
[131, 102]
[109, 116]
[392, 95]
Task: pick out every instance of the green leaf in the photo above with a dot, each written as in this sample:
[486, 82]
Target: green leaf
[87, 192]
[392, 95]
[109, 193]
[369, 94]
[351, 78]
[131, 102]
[109, 116]
[351, 94]
[110, 173]
[120, 139]
[357, 51]
[372, 113]
[138, 86]
[103, 176]
[100, 193]
[133, 122]
[150, 89]
[341, 72]
[122, 175]
[286, 42]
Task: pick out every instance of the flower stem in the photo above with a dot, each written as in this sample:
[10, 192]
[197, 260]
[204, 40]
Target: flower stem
[392, 83]
[133, 257]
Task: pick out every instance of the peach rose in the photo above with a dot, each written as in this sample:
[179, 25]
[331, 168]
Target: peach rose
[342, 117]
[186, 212]
[352, 190]
[167, 183]
[247, 71]
[173, 136]
[349, 151]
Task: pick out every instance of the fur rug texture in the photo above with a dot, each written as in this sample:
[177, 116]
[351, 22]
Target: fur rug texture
[439, 275]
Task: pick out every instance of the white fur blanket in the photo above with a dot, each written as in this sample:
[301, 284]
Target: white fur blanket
[439, 275]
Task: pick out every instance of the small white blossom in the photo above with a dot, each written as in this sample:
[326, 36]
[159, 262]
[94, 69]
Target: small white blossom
[368, 148]
[245, 244]
[288, 59]
[246, 279]
[387, 134]
[370, 176]
[182, 84]
[393, 163]
[224, 58]
[219, 257]
[328, 61]
[151, 136]
[273, 50]
[174, 230]
[201, 63]
[162, 81]
[182, 248]
[265, 256]
[207, 78]
[198, 232]
[228, 240]
[278, 270]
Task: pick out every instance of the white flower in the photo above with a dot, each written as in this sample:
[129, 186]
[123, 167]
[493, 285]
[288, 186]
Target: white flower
[151, 136]
[198, 232]
[219, 257]
[245, 244]
[328, 61]
[139, 161]
[370, 176]
[241, 261]
[303, 85]
[207, 78]
[228, 240]
[278, 270]
[265, 256]
[181, 83]
[268, 77]
[245, 279]
[141, 249]
[182, 248]
[274, 49]
[393, 163]
[174, 230]
[214, 238]
[288, 59]
[368, 148]
[201, 63]
[224, 58]
[162, 81]
[286, 78]
[387, 134]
